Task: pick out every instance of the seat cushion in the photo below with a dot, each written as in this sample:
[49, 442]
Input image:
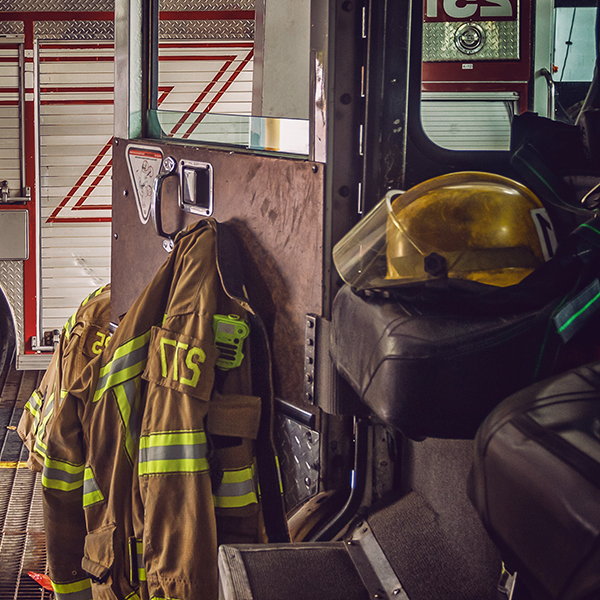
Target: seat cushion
[431, 373]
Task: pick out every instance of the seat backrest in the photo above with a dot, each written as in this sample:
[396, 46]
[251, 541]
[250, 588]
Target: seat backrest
[535, 483]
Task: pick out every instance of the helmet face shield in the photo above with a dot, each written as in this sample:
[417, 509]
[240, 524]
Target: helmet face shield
[475, 226]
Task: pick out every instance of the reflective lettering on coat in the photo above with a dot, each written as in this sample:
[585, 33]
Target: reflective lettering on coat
[173, 360]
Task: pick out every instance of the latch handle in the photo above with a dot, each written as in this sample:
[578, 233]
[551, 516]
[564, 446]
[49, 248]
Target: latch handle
[168, 168]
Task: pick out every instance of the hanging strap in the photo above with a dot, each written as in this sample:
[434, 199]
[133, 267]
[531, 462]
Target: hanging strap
[231, 271]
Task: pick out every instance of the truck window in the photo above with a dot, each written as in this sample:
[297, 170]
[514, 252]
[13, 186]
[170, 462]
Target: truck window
[242, 102]
[574, 58]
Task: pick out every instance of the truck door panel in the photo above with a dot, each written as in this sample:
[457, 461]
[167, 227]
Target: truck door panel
[275, 206]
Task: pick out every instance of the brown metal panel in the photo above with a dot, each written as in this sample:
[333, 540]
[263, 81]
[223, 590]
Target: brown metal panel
[275, 205]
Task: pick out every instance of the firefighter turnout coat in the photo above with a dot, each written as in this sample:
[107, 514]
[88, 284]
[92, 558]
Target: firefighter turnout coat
[154, 444]
[82, 338]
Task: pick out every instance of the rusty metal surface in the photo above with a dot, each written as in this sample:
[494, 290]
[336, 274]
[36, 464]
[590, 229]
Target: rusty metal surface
[275, 206]
[22, 539]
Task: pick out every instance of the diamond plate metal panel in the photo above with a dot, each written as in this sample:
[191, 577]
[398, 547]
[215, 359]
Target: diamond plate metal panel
[12, 27]
[501, 42]
[206, 5]
[74, 30]
[11, 282]
[242, 29]
[56, 5]
[298, 449]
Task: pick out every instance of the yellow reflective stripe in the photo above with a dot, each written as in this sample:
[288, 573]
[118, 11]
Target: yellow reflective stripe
[129, 361]
[173, 438]
[132, 596]
[61, 475]
[91, 492]
[34, 404]
[93, 295]
[63, 395]
[49, 410]
[39, 446]
[140, 560]
[68, 326]
[237, 489]
[173, 452]
[78, 590]
[279, 474]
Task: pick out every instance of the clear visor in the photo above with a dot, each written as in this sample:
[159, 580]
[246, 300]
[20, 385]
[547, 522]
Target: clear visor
[360, 257]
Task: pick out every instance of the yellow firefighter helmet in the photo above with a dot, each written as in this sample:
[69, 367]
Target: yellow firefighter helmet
[469, 225]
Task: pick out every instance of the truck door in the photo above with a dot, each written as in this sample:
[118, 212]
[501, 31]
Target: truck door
[263, 173]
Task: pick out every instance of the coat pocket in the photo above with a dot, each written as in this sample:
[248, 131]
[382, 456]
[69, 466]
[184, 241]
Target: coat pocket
[98, 553]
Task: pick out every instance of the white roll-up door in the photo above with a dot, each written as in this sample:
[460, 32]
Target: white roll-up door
[9, 119]
[75, 129]
[469, 121]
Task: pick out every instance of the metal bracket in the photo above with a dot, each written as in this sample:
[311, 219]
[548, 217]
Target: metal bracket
[507, 583]
[5, 198]
[310, 352]
[36, 348]
[373, 566]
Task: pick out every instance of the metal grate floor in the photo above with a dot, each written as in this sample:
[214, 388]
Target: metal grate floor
[22, 540]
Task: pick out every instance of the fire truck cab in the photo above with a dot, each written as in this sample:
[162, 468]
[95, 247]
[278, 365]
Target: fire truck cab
[349, 102]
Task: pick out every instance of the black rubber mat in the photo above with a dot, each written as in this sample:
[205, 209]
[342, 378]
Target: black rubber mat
[22, 540]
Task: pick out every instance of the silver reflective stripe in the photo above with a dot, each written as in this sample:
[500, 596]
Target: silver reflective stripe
[34, 404]
[140, 560]
[127, 397]
[237, 489]
[173, 452]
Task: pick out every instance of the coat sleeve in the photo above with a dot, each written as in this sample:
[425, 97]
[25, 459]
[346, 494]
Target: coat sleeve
[64, 519]
[59, 440]
[35, 415]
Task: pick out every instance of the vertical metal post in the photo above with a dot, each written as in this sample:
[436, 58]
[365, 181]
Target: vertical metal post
[319, 53]
[22, 119]
[121, 93]
[387, 93]
[136, 45]
[259, 58]
[150, 35]
[335, 117]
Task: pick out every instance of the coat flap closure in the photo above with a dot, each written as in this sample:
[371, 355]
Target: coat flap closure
[99, 552]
